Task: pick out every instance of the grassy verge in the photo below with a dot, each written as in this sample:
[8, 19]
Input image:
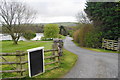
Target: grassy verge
[97, 50]
[100, 50]
[67, 60]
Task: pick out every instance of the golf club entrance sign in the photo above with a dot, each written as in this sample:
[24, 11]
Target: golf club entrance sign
[36, 61]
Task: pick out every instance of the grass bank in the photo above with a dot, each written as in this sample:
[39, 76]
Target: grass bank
[96, 49]
[67, 60]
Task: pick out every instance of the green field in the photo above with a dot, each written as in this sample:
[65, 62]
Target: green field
[67, 60]
[8, 47]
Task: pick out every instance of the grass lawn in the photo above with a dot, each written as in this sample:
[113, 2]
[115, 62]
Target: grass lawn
[8, 47]
[67, 60]
[97, 50]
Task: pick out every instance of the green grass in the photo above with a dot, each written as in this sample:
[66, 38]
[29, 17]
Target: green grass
[8, 47]
[67, 60]
[97, 50]
[62, 37]
[49, 39]
[100, 50]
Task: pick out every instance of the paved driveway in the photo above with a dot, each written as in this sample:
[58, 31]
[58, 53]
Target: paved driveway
[92, 64]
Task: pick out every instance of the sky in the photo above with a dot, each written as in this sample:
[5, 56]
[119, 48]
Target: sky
[49, 11]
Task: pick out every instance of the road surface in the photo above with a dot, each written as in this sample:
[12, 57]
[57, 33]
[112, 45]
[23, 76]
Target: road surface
[91, 64]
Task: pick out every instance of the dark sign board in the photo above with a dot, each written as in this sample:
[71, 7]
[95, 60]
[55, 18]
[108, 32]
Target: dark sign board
[36, 61]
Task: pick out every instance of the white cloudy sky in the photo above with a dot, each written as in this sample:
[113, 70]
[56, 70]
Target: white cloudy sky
[56, 10]
[49, 11]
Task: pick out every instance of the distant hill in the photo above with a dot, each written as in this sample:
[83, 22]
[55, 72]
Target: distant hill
[67, 24]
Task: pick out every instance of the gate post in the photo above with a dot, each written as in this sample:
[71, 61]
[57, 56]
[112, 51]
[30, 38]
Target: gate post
[19, 65]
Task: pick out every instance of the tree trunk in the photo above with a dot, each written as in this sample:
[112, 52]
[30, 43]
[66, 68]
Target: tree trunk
[14, 40]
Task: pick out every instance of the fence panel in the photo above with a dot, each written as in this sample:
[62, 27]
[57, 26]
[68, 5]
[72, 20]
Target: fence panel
[20, 61]
[110, 44]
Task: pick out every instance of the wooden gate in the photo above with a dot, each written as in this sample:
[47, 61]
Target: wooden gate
[111, 44]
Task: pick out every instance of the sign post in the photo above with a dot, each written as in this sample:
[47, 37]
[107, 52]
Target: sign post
[36, 61]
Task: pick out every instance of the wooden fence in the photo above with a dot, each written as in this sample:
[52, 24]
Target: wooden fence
[17, 64]
[111, 44]
[20, 61]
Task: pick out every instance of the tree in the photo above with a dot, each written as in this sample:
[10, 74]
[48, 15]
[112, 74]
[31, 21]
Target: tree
[29, 34]
[63, 31]
[51, 31]
[105, 17]
[82, 18]
[14, 15]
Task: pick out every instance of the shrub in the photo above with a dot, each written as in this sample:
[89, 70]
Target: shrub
[84, 29]
[87, 36]
[76, 36]
[51, 31]
[93, 39]
[29, 35]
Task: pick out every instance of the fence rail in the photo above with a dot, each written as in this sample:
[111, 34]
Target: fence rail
[21, 63]
[22, 54]
[11, 71]
[48, 57]
[5, 63]
[110, 44]
[20, 69]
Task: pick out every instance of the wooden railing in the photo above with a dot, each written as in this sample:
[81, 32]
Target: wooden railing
[20, 61]
[18, 64]
[111, 44]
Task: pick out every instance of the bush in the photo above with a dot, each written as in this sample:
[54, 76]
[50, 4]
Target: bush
[51, 31]
[87, 28]
[87, 36]
[93, 39]
[76, 36]
[80, 34]
[29, 35]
